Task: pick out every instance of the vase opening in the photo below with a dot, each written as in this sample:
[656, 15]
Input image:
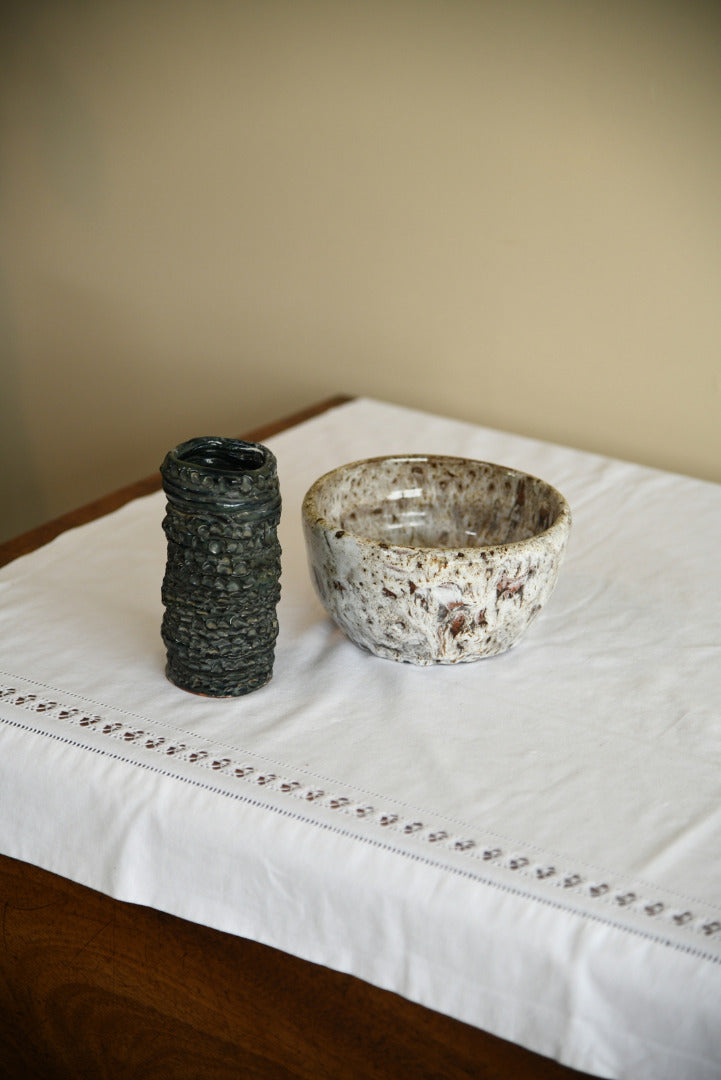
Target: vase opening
[224, 456]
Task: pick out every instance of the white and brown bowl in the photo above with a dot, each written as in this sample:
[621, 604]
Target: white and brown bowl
[430, 559]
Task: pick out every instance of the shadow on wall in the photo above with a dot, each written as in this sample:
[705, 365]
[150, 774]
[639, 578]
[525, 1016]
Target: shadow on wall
[59, 138]
[118, 401]
[21, 501]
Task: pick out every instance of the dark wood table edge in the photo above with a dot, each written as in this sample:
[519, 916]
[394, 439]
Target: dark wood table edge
[60, 937]
[67, 912]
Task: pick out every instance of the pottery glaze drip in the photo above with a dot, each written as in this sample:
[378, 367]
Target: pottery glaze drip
[222, 578]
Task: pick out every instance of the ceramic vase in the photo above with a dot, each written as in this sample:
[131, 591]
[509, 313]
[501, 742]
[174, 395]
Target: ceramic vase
[222, 578]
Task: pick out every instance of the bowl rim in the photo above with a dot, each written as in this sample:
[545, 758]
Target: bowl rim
[314, 519]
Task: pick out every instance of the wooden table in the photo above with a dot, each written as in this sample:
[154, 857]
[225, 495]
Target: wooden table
[91, 987]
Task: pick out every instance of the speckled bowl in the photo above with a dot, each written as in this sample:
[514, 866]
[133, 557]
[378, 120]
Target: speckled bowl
[434, 560]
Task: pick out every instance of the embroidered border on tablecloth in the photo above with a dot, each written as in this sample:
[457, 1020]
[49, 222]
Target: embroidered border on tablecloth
[561, 883]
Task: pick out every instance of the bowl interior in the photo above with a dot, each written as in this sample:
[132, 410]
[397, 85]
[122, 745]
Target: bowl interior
[436, 502]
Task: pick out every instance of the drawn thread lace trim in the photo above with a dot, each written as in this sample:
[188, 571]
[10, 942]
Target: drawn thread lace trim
[568, 882]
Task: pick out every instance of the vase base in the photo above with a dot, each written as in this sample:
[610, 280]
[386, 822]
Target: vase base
[226, 687]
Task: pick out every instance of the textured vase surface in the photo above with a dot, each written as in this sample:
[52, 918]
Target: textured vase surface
[222, 578]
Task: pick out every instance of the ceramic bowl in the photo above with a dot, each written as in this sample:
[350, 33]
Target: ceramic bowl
[432, 559]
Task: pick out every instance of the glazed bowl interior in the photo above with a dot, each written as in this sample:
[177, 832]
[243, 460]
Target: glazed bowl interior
[420, 501]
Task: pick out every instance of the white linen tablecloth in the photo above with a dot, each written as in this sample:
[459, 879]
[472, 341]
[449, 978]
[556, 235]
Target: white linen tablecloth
[530, 843]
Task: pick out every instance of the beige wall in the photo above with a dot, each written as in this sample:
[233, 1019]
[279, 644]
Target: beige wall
[213, 213]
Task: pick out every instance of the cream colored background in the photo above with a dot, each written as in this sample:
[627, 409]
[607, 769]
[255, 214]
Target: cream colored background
[214, 213]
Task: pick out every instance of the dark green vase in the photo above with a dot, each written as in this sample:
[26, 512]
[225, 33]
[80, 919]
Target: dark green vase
[222, 579]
